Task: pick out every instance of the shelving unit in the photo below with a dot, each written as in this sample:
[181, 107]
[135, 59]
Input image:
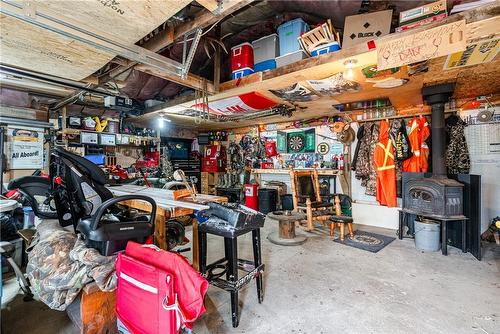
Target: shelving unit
[134, 140]
[209, 182]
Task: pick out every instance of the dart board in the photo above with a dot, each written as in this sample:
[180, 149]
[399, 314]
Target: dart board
[296, 143]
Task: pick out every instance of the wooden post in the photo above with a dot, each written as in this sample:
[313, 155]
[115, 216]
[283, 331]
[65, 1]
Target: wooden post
[63, 125]
[287, 229]
[293, 185]
[338, 209]
[160, 229]
[217, 61]
[315, 177]
[309, 213]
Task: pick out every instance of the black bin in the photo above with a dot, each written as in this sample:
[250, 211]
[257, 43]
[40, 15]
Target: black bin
[267, 200]
[287, 202]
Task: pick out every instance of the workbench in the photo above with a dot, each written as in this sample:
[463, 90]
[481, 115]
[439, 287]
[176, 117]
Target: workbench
[334, 173]
[167, 208]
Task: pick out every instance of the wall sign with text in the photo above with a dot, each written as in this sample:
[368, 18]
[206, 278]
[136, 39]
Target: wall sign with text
[25, 148]
[428, 44]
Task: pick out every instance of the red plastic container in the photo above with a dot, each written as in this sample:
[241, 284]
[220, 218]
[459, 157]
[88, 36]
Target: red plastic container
[252, 196]
[266, 165]
[241, 57]
[213, 165]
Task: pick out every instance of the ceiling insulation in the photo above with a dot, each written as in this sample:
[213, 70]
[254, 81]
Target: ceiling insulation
[31, 47]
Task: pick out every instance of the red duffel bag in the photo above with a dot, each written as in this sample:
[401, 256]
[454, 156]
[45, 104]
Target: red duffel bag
[158, 291]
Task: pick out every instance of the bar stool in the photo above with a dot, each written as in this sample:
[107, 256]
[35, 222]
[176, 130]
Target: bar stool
[230, 263]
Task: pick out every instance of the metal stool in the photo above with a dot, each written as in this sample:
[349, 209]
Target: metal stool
[230, 264]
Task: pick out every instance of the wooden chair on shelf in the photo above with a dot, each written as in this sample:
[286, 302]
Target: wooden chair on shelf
[342, 216]
[306, 196]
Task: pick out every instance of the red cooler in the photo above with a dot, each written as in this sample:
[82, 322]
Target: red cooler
[252, 196]
[241, 57]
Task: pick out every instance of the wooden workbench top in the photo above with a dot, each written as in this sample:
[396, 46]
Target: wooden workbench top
[287, 171]
[162, 197]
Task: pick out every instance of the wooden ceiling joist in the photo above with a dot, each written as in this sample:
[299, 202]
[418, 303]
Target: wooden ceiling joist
[192, 81]
[162, 40]
[480, 23]
[206, 19]
[211, 5]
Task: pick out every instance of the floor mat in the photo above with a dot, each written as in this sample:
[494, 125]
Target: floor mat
[367, 241]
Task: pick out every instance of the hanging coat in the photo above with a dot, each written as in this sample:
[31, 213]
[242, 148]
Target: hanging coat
[359, 136]
[457, 152]
[424, 133]
[371, 183]
[402, 150]
[400, 141]
[385, 167]
[413, 163]
[363, 157]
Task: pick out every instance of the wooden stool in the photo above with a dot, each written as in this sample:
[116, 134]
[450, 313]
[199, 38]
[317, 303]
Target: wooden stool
[286, 236]
[340, 221]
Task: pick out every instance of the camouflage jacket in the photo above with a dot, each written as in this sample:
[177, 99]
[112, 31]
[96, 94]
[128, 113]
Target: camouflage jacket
[60, 265]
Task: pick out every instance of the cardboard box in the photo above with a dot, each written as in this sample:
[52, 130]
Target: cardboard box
[366, 27]
[423, 13]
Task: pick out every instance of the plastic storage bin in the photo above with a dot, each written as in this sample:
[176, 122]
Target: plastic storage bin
[241, 57]
[325, 48]
[28, 218]
[265, 65]
[288, 33]
[265, 48]
[290, 58]
[241, 73]
[98, 159]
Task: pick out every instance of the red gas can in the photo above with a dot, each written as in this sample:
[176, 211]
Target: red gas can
[251, 196]
[241, 57]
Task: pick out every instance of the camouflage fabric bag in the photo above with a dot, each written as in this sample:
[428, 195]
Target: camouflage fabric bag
[60, 265]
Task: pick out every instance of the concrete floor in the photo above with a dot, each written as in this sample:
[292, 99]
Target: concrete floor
[326, 287]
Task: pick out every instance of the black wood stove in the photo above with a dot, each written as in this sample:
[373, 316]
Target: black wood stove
[437, 195]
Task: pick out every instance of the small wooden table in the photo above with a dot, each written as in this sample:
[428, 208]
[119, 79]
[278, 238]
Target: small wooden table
[285, 236]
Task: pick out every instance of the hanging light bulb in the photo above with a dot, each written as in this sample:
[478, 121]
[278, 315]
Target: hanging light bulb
[349, 65]
[162, 120]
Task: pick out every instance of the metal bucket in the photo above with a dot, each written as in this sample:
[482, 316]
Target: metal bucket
[427, 235]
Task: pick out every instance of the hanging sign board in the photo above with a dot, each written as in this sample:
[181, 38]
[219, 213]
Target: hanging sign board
[249, 102]
[310, 144]
[428, 44]
[366, 27]
[25, 148]
[481, 52]
[281, 142]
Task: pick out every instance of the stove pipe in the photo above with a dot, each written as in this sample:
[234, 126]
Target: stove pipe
[436, 96]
